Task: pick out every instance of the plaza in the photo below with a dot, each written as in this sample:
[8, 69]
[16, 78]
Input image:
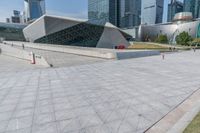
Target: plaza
[126, 96]
[117, 66]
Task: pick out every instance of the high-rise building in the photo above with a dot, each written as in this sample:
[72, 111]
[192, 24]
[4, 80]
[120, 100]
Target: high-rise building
[34, 9]
[152, 11]
[16, 13]
[192, 6]
[173, 8]
[121, 13]
[130, 13]
[16, 18]
[103, 11]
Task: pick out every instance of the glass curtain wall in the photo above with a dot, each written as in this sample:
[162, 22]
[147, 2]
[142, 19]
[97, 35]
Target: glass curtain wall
[192, 6]
[34, 9]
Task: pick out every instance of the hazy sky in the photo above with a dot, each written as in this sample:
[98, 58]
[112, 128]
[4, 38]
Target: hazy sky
[70, 8]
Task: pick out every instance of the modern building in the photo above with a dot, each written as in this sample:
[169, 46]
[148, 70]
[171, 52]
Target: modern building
[130, 13]
[12, 32]
[182, 22]
[16, 18]
[174, 7]
[152, 11]
[34, 9]
[16, 13]
[103, 11]
[67, 31]
[192, 6]
[121, 13]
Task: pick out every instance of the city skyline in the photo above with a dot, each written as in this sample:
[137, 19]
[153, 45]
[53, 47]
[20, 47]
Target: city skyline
[62, 7]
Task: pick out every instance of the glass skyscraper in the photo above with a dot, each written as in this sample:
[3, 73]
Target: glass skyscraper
[173, 8]
[152, 11]
[34, 9]
[192, 6]
[103, 11]
[121, 13]
[130, 13]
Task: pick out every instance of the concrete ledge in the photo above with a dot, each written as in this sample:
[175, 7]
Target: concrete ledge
[179, 118]
[136, 54]
[180, 126]
[22, 54]
[91, 52]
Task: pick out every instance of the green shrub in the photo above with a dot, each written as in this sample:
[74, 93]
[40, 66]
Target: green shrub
[183, 39]
[161, 39]
[195, 42]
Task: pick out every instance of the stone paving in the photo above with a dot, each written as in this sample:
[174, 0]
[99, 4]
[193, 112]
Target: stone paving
[126, 96]
[10, 64]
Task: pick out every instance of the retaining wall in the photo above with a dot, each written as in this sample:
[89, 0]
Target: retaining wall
[91, 52]
[22, 54]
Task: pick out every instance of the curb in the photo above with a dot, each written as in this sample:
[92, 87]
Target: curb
[178, 119]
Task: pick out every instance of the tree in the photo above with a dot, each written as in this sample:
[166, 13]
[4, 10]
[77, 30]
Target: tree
[161, 39]
[183, 38]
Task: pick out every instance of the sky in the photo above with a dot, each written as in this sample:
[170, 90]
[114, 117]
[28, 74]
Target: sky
[69, 8]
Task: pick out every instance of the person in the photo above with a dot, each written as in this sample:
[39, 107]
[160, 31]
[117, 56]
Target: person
[23, 46]
[163, 56]
[194, 49]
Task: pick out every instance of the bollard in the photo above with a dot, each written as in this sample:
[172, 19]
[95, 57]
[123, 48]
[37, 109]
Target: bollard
[22, 46]
[163, 56]
[32, 58]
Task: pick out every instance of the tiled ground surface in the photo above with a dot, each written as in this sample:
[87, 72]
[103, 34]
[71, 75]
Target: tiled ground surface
[10, 64]
[112, 97]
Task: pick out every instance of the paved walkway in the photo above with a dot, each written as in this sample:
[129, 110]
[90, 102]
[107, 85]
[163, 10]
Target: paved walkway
[12, 64]
[126, 96]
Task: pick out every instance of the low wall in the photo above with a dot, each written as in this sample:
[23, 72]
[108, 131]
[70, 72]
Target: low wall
[22, 54]
[91, 52]
[136, 54]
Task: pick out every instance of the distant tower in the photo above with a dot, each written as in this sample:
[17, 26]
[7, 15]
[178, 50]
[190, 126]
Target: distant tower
[152, 11]
[173, 8]
[129, 13]
[121, 13]
[16, 18]
[34, 9]
[192, 6]
[103, 11]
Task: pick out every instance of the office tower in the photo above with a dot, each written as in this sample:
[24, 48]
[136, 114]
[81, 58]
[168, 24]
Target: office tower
[16, 18]
[152, 11]
[121, 13]
[103, 11]
[34, 9]
[16, 13]
[192, 6]
[130, 13]
[173, 8]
